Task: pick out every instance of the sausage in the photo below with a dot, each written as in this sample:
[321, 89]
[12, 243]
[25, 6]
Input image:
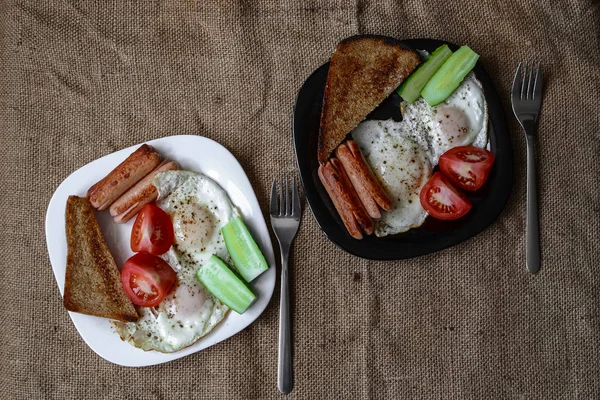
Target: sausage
[357, 179]
[327, 178]
[125, 175]
[363, 178]
[345, 199]
[142, 193]
[361, 215]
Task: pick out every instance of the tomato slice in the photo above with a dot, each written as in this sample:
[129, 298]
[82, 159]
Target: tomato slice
[467, 167]
[147, 279]
[441, 200]
[152, 231]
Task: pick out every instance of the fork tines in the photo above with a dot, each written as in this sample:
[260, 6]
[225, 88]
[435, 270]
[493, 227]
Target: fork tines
[287, 204]
[526, 85]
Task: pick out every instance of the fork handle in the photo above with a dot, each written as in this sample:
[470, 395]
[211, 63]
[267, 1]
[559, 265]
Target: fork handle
[533, 224]
[284, 365]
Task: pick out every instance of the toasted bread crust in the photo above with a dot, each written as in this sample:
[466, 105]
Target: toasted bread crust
[364, 71]
[92, 280]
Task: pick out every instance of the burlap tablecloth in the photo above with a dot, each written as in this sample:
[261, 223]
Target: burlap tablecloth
[79, 80]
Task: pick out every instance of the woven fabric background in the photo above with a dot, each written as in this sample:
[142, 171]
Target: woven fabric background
[81, 79]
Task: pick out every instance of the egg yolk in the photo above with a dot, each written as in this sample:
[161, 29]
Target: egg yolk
[193, 226]
[452, 123]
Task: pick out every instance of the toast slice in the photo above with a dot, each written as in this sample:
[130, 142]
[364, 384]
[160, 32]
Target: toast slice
[92, 281]
[364, 71]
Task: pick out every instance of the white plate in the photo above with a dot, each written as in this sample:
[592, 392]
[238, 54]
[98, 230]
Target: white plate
[194, 153]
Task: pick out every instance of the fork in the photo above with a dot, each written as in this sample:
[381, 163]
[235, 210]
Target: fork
[285, 220]
[526, 104]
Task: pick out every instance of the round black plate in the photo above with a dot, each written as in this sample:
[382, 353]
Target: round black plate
[433, 235]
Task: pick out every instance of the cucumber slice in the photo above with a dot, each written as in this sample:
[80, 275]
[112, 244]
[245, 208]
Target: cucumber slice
[224, 284]
[449, 76]
[410, 90]
[242, 248]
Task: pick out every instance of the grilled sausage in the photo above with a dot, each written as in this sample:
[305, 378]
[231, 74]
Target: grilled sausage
[124, 176]
[345, 199]
[362, 176]
[328, 179]
[352, 170]
[142, 193]
[351, 197]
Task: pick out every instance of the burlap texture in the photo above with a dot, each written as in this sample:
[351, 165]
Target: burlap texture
[82, 79]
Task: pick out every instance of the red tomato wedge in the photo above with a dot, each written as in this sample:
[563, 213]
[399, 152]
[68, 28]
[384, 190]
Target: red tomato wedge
[152, 231]
[467, 167]
[147, 279]
[441, 200]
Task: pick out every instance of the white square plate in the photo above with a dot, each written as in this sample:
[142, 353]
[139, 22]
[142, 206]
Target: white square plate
[194, 153]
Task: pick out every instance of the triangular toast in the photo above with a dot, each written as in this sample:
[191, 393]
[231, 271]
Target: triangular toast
[364, 71]
[92, 281]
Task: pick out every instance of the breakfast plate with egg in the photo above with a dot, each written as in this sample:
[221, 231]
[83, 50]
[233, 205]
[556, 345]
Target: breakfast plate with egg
[206, 199]
[405, 142]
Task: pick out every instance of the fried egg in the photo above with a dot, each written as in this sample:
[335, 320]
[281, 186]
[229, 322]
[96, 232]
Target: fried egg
[460, 120]
[199, 208]
[402, 167]
[403, 154]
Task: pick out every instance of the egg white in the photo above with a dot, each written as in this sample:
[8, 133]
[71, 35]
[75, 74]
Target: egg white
[403, 154]
[199, 208]
[402, 167]
[460, 120]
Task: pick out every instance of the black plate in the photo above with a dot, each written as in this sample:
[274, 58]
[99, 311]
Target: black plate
[433, 235]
